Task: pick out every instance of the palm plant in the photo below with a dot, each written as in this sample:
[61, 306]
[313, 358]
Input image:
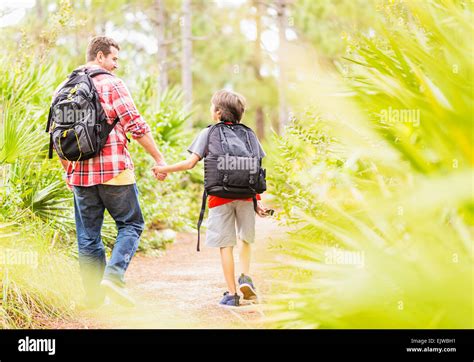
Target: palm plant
[382, 238]
[164, 113]
[35, 203]
[31, 180]
[415, 66]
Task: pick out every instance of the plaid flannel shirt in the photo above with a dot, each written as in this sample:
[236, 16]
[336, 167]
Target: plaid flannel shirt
[114, 157]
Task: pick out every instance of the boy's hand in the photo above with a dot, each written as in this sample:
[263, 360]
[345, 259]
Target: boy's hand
[157, 170]
[160, 176]
[261, 209]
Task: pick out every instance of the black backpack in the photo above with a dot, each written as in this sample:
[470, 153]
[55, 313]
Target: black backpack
[232, 165]
[77, 123]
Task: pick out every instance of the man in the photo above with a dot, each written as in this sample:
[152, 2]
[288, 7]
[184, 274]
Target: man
[107, 181]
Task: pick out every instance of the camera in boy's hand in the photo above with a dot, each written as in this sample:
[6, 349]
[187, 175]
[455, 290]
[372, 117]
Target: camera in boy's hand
[263, 211]
[269, 212]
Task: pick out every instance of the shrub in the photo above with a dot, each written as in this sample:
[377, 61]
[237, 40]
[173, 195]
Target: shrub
[381, 231]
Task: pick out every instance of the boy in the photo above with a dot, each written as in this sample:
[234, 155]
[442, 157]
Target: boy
[226, 215]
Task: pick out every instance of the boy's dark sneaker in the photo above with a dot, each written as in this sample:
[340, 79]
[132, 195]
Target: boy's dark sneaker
[229, 300]
[247, 288]
[118, 293]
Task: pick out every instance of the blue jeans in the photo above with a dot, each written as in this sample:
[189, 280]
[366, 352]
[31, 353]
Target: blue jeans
[90, 204]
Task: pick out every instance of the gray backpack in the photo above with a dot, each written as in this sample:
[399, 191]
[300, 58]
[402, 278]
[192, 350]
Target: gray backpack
[232, 165]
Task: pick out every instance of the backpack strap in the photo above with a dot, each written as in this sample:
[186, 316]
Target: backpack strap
[50, 148]
[201, 217]
[94, 72]
[211, 127]
[108, 127]
[48, 126]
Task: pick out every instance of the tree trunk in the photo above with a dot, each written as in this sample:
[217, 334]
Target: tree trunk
[39, 9]
[282, 25]
[257, 64]
[100, 18]
[162, 47]
[187, 56]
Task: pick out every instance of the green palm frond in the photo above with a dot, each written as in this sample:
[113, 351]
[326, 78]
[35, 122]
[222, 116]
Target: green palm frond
[384, 239]
[19, 136]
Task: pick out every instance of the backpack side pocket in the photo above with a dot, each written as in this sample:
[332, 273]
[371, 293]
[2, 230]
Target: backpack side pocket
[261, 185]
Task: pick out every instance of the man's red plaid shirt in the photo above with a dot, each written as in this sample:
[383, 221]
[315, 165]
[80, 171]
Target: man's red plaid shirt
[114, 157]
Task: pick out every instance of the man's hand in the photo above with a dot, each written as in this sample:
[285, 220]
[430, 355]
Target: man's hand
[261, 209]
[65, 165]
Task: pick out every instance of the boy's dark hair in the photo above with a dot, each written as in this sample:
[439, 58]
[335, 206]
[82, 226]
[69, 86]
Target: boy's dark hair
[231, 105]
[100, 44]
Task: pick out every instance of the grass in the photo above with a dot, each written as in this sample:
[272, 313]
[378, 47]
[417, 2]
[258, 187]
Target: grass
[39, 281]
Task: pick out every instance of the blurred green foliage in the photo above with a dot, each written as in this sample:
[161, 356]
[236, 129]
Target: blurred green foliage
[381, 208]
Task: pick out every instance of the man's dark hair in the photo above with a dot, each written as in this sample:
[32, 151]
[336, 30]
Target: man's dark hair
[100, 44]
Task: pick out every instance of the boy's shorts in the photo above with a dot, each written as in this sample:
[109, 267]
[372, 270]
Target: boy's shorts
[227, 222]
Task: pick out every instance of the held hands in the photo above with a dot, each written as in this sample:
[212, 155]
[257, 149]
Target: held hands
[157, 171]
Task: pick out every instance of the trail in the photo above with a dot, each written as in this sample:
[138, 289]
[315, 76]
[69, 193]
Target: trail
[182, 288]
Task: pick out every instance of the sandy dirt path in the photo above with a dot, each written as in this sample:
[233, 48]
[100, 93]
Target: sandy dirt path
[182, 288]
